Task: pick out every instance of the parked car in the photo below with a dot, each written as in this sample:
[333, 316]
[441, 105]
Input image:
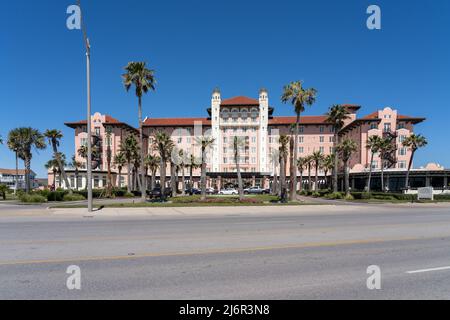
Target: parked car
[156, 193]
[193, 191]
[228, 192]
[256, 190]
[210, 191]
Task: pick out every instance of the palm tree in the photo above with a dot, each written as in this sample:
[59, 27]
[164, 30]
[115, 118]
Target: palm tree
[143, 79]
[120, 161]
[164, 145]
[76, 165]
[129, 147]
[309, 164]
[328, 165]
[386, 147]
[346, 149]
[15, 144]
[54, 137]
[4, 189]
[301, 165]
[299, 97]
[275, 159]
[237, 144]
[152, 162]
[108, 164]
[373, 144]
[317, 159]
[30, 139]
[52, 165]
[183, 166]
[205, 143]
[413, 142]
[174, 159]
[193, 164]
[337, 116]
[283, 152]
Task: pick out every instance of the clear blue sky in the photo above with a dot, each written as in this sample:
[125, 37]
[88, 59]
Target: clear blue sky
[237, 45]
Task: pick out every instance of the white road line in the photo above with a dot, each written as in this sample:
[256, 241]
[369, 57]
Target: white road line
[428, 270]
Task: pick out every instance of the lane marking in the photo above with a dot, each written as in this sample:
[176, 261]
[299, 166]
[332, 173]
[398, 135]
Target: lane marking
[428, 270]
[205, 252]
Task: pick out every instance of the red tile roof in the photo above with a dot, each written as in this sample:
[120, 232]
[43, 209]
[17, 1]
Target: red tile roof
[108, 121]
[162, 122]
[371, 116]
[240, 101]
[303, 120]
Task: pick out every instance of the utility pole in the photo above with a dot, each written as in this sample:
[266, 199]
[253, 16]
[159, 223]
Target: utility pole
[89, 129]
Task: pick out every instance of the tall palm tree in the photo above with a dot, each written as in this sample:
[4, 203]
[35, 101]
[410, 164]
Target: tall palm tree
[108, 164]
[152, 162]
[328, 165]
[144, 80]
[346, 149]
[413, 142]
[237, 144]
[164, 145]
[309, 164]
[61, 163]
[283, 151]
[53, 166]
[31, 139]
[120, 161]
[301, 165]
[54, 137]
[337, 115]
[299, 97]
[373, 144]
[15, 144]
[205, 143]
[275, 159]
[174, 160]
[193, 164]
[182, 165]
[386, 147]
[129, 147]
[76, 165]
[317, 158]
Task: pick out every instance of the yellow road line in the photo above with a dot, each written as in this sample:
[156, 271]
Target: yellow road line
[205, 252]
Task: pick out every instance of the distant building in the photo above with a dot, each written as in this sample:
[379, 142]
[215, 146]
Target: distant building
[8, 177]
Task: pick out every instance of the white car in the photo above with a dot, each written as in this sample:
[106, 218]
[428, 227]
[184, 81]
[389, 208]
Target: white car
[228, 192]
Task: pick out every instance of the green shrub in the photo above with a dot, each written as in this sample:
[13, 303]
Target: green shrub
[442, 197]
[55, 195]
[335, 196]
[73, 197]
[32, 198]
[316, 194]
[349, 197]
[129, 195]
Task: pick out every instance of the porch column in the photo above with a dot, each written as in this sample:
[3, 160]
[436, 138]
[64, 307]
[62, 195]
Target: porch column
[445, 181]
[253, 181]
[219, 183]
[427, 181]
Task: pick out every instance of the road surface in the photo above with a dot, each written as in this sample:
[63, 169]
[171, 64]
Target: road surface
[306, 252]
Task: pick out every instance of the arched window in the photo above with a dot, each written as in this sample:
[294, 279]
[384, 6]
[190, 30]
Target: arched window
[244, 113]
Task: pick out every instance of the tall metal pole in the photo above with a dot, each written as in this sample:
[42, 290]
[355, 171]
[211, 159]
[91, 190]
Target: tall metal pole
[89, 129]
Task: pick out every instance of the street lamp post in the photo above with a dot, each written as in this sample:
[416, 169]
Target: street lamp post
[89, 129]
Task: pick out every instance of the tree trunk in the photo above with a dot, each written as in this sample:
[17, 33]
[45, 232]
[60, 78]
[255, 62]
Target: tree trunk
[17, 173]
[141, 145]
[61, 168]
[183, 181]
[275, 181]
[173, 182]
[369, 180]
[409, 170]
[153, 182]
[128, 177]
[336, 162]
[293, 167]
[316, 185]
[347, 183]
[162, 173]
[238, 169]
[309, 178]
[282, 176]
[382, 175]
[203, 177]
[191, 183]
[27, 174]
[119, 185]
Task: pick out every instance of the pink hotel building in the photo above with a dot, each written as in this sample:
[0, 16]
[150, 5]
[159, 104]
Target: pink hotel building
[253, 119]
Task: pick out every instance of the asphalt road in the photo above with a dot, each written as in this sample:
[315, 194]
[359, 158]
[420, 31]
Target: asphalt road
[321, 253]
